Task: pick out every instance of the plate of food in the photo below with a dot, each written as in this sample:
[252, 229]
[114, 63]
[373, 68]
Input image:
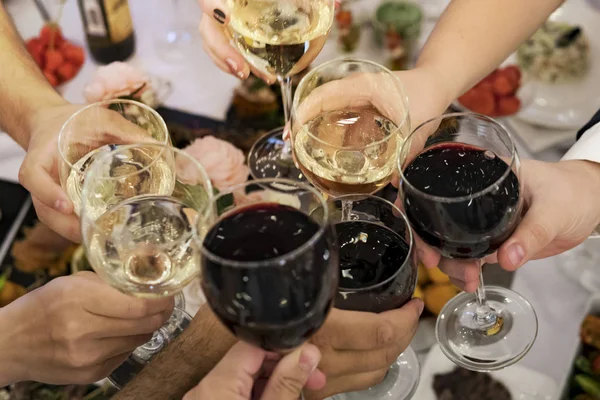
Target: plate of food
[563, 58]
[442, 380]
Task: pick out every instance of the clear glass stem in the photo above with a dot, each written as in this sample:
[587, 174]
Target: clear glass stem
[346, 209]
[286, 94]
[485, 316]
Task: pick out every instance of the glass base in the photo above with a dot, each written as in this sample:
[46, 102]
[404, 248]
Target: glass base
[268, 160]
[469, 345]
[175, 45]
[400, 383]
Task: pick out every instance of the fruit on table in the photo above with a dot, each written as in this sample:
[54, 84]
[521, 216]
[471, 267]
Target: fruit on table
[436, 296]
[59, 59]
[437, 276]
[418, 292]
[496, 94]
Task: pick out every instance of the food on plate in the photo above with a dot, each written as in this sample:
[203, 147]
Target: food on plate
[437, 295]
[59, 59]
[10, 291]
[461, 384]
[418, 293]
[557, 52]
[585, 379]
[437, 276]
[496, 94]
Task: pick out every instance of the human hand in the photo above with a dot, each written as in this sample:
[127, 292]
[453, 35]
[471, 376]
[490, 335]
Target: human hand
[358, 348]
[41, 167]
[75, 329]
[235, 376]
[561, 200]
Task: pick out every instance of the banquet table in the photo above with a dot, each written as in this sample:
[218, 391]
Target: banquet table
[201, 88]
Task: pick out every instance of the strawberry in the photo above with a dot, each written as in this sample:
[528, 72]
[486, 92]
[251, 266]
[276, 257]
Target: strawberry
[504, 85]
[73, 54]
[67, 71]
[508, 105]
[514, 73]
[54, 59]
[483, 103]
[34, 46]
[51, 78]
[344, 18]
[51, 36]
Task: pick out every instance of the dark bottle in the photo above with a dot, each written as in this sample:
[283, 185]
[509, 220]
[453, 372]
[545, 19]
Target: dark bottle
[108, 29]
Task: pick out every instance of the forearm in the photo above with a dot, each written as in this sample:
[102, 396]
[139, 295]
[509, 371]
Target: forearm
[23, 87]
[474, 36]
[184, 363]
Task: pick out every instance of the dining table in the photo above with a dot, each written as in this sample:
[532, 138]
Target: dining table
[199, 87]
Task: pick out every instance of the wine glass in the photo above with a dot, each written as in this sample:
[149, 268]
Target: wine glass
[140, 205]
[279, 38]
[269, 262]
[98, 129]
[349, 118]
[461, 190]
[378, 273]
[175, 44]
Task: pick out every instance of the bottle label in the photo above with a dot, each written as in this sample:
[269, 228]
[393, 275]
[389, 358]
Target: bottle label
[94, 18]
[118, 19]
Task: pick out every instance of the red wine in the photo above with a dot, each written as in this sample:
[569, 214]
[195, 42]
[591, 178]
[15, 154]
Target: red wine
[372, 254]
[470, 228]
[278, 306]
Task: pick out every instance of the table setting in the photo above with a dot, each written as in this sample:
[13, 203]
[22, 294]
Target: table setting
[211, 157]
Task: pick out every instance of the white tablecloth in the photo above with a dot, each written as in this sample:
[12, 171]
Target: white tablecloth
[199, 87]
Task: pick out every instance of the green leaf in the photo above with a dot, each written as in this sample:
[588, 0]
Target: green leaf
[4, 277]
[588, 384]
[224, 202]
[584, 365]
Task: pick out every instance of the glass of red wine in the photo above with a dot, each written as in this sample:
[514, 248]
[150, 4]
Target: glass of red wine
[269, 262]
[378, 273]
[462, 195]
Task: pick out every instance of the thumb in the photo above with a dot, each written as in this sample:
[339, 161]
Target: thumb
[292, 373]
[233, 377]
[535, 232]
[217, 9]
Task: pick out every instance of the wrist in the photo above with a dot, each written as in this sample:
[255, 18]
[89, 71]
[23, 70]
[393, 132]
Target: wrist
[32, 113]
[436, 79]
[11, 370]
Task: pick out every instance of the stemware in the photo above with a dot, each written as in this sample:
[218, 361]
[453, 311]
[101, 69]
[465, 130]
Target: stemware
[269, 262]
[98, 129]
[175, 44]
[349, 118]
[462, 193]
[378, 273]
[279, 38]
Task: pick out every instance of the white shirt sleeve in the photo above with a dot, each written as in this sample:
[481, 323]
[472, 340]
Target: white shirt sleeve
[587, 147]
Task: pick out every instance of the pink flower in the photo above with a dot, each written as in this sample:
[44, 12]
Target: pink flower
[222, 161]
[115, 80]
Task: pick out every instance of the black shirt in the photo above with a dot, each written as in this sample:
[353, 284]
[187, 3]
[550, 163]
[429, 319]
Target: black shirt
[595, 120]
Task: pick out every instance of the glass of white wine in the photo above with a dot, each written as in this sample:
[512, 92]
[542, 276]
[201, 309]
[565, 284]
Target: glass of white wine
[279, 38]
[98, 129]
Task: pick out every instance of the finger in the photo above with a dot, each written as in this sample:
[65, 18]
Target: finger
[119, 327]
[535, 232]
[292, 373]
[426, 254]
[112, 347]
[458, 283]
[217, 44]
[34, 176]
[119, 305]
[65, 225]
[343, 363]
[216, 9]
[466, 271]
[352, 383]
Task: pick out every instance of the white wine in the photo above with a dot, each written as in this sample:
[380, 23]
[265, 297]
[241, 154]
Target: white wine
[353, 151]
[280, 38]
[145, 246]
[141, 171]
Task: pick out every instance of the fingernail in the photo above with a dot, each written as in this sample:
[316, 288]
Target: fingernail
[233, 67]
[309, 359]
[421, 306]
[515, 254]
[61, 205]
[219, 16]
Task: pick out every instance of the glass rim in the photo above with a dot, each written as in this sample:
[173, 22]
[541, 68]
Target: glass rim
[266, 182]
[450, 200]
[103, 103]
[205, 179]
[348, 59]
[411, 237]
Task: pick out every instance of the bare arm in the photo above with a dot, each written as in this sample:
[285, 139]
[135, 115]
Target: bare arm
[184, 363]
[23, 88]
[474, 36]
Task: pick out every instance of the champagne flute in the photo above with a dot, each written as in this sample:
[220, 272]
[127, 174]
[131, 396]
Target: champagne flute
[98, 129]
[178, 40]
[462, 193]
[378, 273]
[279, 38]
[140, 206]
[349, 119]
[270, 262]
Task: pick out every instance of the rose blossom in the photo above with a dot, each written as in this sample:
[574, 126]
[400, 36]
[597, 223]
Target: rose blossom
[223, 162]
[115, 80]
